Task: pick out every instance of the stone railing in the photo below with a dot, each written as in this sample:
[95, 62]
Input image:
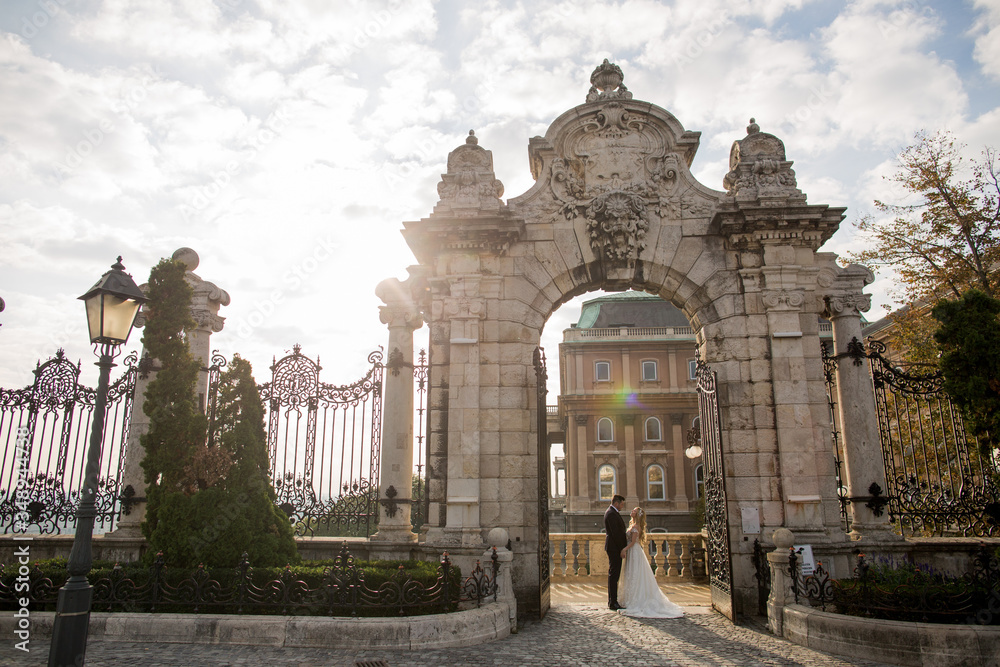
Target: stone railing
[676, 557]
[629, 332]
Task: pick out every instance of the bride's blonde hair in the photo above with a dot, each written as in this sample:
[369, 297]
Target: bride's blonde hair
[639, 522]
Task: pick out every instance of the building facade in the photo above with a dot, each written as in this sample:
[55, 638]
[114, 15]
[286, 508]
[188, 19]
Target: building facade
[627, 404]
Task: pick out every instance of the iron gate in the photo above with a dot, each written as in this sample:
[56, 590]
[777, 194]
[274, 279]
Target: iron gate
[45, 430]
[941, 480]
[324, 444]
[720, 567]
[541, 390]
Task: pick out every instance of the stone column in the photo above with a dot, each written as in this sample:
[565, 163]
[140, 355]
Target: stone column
[781, 583]
[206, 299]
[863, 464]
[584, 470]
[396, 467]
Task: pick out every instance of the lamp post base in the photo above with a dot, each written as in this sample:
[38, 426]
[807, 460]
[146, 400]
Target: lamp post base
[71, 626]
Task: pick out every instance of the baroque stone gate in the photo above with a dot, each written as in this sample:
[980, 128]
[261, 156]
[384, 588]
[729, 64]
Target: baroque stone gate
[615, 206]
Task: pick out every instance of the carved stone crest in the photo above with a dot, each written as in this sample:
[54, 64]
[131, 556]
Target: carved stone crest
[758, 168]
[617, 226]
[470, 187]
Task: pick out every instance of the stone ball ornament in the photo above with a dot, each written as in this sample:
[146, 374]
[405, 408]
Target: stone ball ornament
[498, 538]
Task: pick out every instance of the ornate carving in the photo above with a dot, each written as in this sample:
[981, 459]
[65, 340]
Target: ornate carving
[782, 299]
[606, 84]
[581, 420]
[470, 187]
[464, 308]
[617, 226]
[758, 168]
[207, 320]
[848, 304]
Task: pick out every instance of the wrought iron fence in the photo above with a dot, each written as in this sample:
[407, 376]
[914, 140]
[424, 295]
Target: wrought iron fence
[324, 444]
[903, 591]
[341, 591]
[940, 479]
[830, 376]
[45, 431]
[762, 573]
[419, 508]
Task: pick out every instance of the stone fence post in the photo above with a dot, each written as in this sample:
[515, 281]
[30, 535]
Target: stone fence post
[781, 582]
[497, 539]
[206, 300]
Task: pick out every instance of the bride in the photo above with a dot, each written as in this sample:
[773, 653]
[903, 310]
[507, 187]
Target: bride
[641, 595]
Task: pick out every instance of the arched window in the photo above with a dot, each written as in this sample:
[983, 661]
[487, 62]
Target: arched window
[655, 488]
[649, 373]
[605, 430]
[653, 429]
[699, 481]
[607, 482]
[602, 371]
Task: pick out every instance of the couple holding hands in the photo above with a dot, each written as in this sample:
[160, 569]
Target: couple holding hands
[641, 595]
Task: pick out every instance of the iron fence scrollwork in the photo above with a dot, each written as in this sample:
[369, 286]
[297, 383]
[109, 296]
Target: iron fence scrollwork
[45, 432]
[904, 591]
[720, 572]
[941, 480]
[324, 444]
[340, 591]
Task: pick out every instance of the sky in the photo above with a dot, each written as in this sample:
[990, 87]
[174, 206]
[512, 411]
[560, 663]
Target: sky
[286, 141]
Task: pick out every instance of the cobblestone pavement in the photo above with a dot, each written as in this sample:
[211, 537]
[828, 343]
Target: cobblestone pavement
[572, 634]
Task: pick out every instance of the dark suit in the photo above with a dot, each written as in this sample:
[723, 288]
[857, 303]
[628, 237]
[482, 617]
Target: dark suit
[614, 542]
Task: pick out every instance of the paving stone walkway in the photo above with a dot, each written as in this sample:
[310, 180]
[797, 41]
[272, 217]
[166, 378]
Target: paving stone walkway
[574, 633]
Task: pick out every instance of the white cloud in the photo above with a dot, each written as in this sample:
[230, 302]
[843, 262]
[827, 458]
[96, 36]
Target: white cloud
[987, 35]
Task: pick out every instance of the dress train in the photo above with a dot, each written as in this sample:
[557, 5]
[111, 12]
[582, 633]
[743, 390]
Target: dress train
[641, 595]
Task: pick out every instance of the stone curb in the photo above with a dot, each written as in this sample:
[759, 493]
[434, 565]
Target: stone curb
[461, 628]
[895, 642]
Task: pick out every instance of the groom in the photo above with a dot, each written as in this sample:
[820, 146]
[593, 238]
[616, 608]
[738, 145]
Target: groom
[614, 543]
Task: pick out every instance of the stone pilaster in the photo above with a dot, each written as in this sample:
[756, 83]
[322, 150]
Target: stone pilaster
[402, 317]
[680, 476]
[630, 489]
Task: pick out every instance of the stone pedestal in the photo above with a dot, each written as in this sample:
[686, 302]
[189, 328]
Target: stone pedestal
[781, 584]
[497, 539]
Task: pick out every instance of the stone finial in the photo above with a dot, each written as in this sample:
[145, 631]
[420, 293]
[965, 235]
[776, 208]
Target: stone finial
[606, 83]
[186, 256]
[783, 538]
[470, 188]
[758, 168]
[498, 538]
[206, 297]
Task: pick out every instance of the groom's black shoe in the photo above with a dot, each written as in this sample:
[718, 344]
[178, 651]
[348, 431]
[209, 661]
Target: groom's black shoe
[614, 606]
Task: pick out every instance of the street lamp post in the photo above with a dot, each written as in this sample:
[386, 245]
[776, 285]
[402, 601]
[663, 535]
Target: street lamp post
[112, 304]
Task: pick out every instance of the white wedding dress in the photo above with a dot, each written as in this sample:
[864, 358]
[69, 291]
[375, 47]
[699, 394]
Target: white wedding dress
[641, 595]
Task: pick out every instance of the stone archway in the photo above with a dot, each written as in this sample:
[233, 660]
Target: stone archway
[615, 206]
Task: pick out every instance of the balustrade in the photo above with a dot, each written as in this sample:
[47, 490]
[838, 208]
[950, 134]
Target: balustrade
[580, 556]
